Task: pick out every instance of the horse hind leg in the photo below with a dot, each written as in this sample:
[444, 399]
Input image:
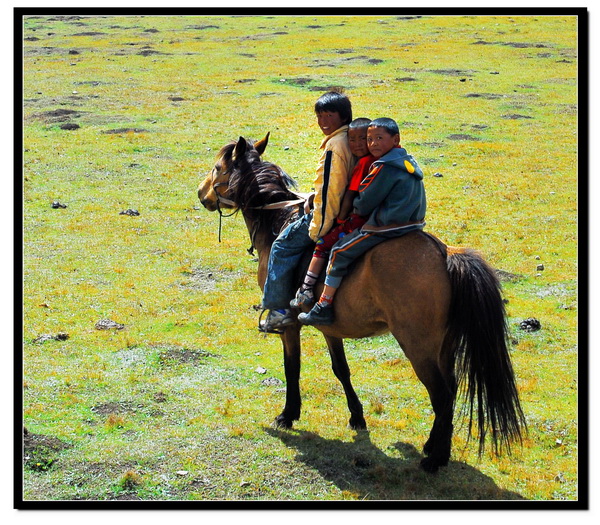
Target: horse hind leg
[342, 372]
[442, 393]
[438, 447]
[439, 381]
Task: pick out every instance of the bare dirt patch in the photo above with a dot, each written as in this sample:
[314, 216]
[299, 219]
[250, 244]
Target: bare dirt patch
[462, 136]
[119, 131]
[300, 81]
[508, 277]
[516, 116]
[60, 336]
[453, 72]
[112, 410]
[202, 27]
[260, 36]
[114, 407]
[71, 116]
[204, 280]
[41, 51]
[57, 115]
[39, 451]
[90, 33]
[432, 145]
[171, 355]
[518, 45]
[485, 96]
[149, 52]
[358, 59]
[321, 88]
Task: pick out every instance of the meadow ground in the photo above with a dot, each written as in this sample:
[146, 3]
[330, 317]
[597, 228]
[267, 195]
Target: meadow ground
[122, 117]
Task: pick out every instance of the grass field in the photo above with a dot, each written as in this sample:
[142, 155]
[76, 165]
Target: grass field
[175, 402]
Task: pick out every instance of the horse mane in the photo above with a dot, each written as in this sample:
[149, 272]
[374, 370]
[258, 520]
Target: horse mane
[254, 182]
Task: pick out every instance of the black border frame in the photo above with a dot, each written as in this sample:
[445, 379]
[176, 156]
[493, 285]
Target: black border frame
[583, 255]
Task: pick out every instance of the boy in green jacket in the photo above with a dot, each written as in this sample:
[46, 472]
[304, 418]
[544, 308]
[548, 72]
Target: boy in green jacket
[392, 195]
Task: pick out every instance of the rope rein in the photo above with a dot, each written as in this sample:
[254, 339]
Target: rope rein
[225, 201]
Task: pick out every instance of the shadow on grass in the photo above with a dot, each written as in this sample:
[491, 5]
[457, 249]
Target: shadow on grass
[365, 472]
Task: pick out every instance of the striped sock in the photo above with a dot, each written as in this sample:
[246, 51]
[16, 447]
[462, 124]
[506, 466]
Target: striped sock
[326, 301]
[309, 280]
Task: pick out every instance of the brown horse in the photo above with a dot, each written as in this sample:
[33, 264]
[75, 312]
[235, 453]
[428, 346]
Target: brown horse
[443, 305]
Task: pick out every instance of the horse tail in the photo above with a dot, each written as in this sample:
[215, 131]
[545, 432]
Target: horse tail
[478, 337]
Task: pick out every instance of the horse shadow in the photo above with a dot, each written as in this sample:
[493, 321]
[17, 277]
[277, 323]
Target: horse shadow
[363, 471]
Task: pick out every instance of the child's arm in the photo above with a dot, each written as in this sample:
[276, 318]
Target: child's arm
[341, 165]
[347, 205]
[373, 190]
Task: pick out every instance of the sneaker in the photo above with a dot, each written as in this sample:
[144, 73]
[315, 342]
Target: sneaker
[276, 321]
[303, 297]
[319, 315]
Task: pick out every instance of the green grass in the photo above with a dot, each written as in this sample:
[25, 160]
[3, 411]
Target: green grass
[172, 407]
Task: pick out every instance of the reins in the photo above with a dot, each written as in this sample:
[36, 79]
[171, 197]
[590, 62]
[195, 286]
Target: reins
[221, 199]
[277, 205]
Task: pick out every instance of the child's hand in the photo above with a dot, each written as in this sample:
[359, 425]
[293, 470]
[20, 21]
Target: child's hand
[308, 203]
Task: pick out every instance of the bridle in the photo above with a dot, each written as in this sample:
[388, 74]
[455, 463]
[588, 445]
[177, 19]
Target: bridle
[228, 202]
[222, 200]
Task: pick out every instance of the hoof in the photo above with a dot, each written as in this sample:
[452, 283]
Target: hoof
[282, 422]
[428, 448]
[357, 423]
[432, 464]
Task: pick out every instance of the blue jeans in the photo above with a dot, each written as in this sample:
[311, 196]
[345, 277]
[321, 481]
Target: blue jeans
[286, 253]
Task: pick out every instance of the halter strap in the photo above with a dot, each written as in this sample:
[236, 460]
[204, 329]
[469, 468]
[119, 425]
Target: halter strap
[271, 206]
[277, 205]
[228, 202]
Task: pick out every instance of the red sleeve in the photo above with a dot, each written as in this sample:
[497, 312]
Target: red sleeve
[361, 170]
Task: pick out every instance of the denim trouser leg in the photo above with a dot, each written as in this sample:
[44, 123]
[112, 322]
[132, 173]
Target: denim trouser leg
[286, 253]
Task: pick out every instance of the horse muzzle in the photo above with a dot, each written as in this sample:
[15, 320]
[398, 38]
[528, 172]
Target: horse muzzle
[208, 203]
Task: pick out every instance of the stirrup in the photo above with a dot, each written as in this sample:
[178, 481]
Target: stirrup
[262, 325]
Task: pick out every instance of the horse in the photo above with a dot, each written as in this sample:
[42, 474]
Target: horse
[442, 304]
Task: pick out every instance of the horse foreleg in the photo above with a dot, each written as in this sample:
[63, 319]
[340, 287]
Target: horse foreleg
[291, 363]
[342, 372]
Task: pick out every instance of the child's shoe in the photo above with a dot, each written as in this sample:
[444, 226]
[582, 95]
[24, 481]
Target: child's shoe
[303, 297]
[276, 321]
[319, 315]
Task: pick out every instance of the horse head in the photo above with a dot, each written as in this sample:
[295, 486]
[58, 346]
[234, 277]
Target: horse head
[214, 191]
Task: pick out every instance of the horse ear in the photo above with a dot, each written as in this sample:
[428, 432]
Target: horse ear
[261, 145]
[240, 149]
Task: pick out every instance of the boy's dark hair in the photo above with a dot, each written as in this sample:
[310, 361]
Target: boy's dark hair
[335, 101]
[386, 123]
[359, 123]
